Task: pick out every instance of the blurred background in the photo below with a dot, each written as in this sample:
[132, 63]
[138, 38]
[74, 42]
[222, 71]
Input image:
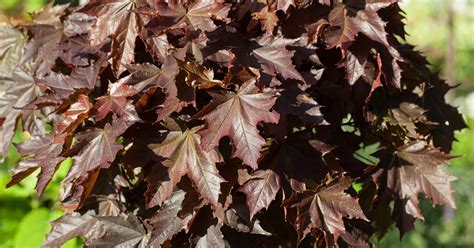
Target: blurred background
[442, 29]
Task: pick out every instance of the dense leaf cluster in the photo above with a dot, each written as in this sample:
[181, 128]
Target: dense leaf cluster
[210, 123]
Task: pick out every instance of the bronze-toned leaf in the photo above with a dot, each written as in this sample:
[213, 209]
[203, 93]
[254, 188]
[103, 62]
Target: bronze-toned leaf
[261, 190]
[236, 115]
[420, 171]
[325, 208]
[183, 154]
[166, 222]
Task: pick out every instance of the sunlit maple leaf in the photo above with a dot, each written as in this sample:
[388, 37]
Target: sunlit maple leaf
[116, 101]
[46, 156]
[193, 48]
[347, 23]
[45, 151]
[267, 18]
[285, 4]
[356, 58]
[324, 209]
[16, 91]
[275, 58]
[117, 231]
[50, 14]
[261, 190]
[73, 116]
[69, 226]
[148, 76]
[213, 238]
[98, 153]
[198, 76]
[116, 20]
[198, 123]
[12, 42]
[236, 115]
[420, 171]
[185, 157]
[100, 149]
[166, 222]
[48, 33]
[43, 49]
[376, 5]
[194, 15]
[407, 116]
[236, 217]
[325, 2]
[65, 88]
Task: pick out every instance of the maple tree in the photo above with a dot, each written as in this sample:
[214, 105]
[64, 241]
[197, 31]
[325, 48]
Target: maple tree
[211, 123]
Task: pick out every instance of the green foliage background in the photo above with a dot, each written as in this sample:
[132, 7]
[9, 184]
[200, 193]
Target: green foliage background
[18, 7]
[427, 28]
[24, 216]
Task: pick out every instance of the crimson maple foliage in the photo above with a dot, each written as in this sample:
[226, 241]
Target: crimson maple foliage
[214, 123]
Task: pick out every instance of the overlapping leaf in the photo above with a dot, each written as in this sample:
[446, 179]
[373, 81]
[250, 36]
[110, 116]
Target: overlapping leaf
[422, 173]
[98, 153]
[348, 23]
[193, 15]
[325, 208]
[275, 58]
[46, 156]
[100, 149]
[46, 149]
[184, 156]
[236, 219]
[116, 101]
[213, 238]
[65, 88]
[116, 231]
[69, 226]
[119, 22]
[166, 223]
[44, 48]
[237, 115]
[261, 190]
[199, 77]
[149, 77]
[11, 49]
[17, 91]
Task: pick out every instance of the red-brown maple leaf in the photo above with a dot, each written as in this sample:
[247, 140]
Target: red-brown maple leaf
[185, 157]
[167, 221]
[16, 91]
[260, 190]
[324, 209]
[45, 150]
[98, 150]
[194, 15]
[116, 101]
[275, 58]
[422, 173]
[347, 23]
[236, 115]
[117, 20]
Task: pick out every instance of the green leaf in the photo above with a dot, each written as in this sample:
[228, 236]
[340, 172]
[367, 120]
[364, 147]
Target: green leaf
[33, 5]
[365, 154]
[23, 190]
[8, 4]
[12, 209]
[32, 229]
[357, 186]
